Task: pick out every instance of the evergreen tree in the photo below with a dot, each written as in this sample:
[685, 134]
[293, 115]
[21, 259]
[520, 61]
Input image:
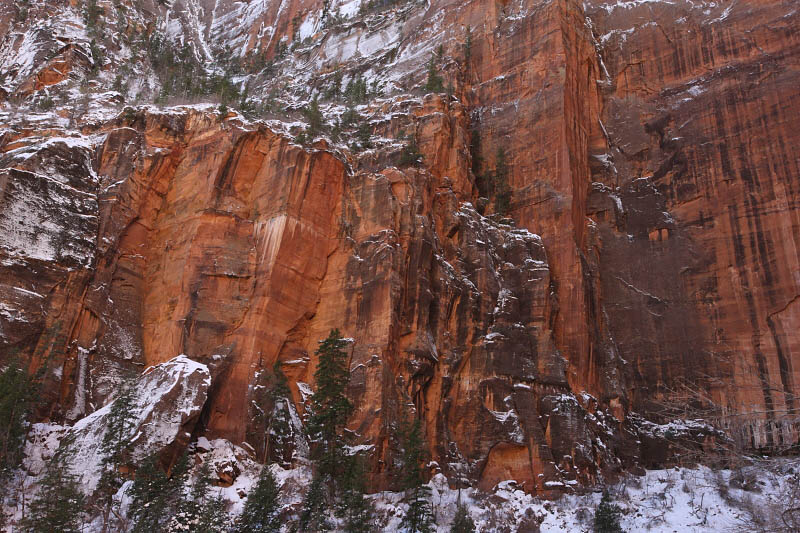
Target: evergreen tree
[97, 56]
[17, 395]
[330, 407]
[375, 89]
[281, 388]
[211, 517]
[419, 516]
[22, 15]
[115, 449]
[296, 21]
[155, 496]
[434, 84]
[329, 411]
[364, 135]
[356, 91]
[58, 506]
[148, 507]
[462, 522]
[607, 515]
[301, 138]
[481, 182]
[214, 517]
[314, 516]
[410, 155]
[200, 512]
[280, 429]
[314, 117]
[91, 15]
[350, 116]
[353, 506]
[335, 88]
[260, 513]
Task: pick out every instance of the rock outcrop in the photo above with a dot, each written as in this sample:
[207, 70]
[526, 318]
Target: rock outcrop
[166, 405]
[647, 265]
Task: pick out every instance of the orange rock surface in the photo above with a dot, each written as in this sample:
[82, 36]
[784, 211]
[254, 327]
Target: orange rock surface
[652, 267]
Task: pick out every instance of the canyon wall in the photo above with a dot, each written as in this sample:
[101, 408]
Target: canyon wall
[648, 266]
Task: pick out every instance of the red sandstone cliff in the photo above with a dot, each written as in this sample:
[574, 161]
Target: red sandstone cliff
[649, 268]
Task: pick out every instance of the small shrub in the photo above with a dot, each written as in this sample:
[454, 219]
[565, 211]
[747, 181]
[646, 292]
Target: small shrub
[745, 479]
[584, 516]
[46, 103]
[722, 486]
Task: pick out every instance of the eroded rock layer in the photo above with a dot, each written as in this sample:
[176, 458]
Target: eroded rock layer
[648, 267]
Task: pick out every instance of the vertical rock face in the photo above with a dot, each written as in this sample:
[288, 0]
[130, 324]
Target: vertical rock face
[647, 267]
[698, 111]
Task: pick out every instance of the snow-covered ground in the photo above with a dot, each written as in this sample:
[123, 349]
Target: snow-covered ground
[699, 499]
[674, 500]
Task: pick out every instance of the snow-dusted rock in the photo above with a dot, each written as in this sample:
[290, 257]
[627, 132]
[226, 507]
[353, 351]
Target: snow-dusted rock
[169, 398]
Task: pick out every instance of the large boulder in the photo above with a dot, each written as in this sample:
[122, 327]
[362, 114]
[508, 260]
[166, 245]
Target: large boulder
[168, 400]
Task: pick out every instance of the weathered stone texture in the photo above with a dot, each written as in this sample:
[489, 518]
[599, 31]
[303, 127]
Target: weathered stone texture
[652, 268]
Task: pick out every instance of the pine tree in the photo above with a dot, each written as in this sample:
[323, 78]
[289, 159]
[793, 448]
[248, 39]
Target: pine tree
[58, 506]
[22, 15]
[187, 517]
[280, 429]
[214, 516]
[314, 117]
[115, 449]
[419, 516]
[97, 56]
[335, 88]
[434, 84]
[350, 116]
[148, 497]
[281, 388]
[356, 91]
[410, 155]
[247, 106]
[91, 15]
[200, 512]
[607, 515]
[330, 407]
[155, 496]
[210, 517]
[462, 522]
[260, 513]
[314, 516]
[353, 506]
[301, 138]
[17, 396]
[364, 135]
